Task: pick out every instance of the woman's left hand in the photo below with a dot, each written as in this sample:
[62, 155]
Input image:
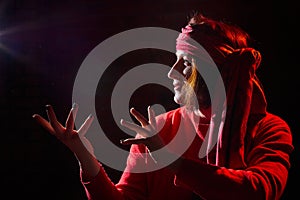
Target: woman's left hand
[147, 131]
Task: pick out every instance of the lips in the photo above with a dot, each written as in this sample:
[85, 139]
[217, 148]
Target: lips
[177, 85]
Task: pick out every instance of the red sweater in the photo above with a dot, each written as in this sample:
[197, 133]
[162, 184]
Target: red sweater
[267, 148]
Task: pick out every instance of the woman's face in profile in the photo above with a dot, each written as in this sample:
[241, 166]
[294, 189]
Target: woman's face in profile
[179, 73]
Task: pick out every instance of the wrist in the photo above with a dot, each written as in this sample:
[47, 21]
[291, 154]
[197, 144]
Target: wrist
[76, 145]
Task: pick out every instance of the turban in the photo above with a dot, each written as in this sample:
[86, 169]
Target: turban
[245, 99]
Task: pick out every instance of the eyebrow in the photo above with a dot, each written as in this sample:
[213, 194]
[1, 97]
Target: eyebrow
[188, 58]
[181, 53]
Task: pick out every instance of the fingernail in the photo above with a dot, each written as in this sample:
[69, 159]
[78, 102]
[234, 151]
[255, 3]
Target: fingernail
[90, 116]
[124, 141]
[74, 105]
[34, 115]
[48, 106]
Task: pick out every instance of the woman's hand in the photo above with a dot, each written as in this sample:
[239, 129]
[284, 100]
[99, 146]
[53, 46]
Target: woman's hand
[147, 132]
[70, 137]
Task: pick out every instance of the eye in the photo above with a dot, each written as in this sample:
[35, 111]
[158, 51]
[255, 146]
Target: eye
[187, 71]
[187, 63]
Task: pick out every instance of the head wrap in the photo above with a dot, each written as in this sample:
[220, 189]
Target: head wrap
[202, 45]
[245, 99]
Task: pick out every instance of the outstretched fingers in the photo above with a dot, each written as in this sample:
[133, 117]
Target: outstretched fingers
[144, 122]
[70, 121]
[75, 110]
[53, 120]
[44, 123]
[130, 141]
[85, 126]
[134, 127]
[151, 116]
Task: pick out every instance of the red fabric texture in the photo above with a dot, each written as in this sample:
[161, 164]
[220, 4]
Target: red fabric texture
[238, 73]
[263, 177]
[237, 68]
[250, 160]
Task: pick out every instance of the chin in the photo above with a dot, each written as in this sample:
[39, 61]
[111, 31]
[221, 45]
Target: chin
[178, 100]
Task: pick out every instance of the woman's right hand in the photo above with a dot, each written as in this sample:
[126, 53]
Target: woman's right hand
[70, 137]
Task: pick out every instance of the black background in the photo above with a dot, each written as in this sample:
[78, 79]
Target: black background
[43, 43]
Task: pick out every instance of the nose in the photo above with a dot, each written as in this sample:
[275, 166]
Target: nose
[174, 72]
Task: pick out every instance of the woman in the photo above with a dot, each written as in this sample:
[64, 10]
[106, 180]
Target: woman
[250, 159]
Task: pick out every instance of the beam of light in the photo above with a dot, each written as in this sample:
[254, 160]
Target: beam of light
[8, 32]
[7, 50]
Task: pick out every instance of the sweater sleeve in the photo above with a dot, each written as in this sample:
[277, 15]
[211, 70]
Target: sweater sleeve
[264, 177]
[133, 183]
[101, 187]
[131, 186]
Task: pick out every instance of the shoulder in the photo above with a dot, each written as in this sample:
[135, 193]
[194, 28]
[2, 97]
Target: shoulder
[172, 119]
[273, 130]
[273, 122]
[170, 115]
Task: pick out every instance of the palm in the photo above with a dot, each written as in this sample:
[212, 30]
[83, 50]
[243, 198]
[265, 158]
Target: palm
[66, 134]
